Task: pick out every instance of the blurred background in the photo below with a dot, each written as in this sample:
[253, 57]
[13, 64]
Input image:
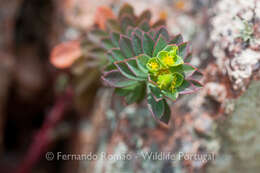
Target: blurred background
[38, 115]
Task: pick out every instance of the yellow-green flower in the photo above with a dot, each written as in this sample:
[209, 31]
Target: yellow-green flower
[164, 81]
[153, 65]
[177, 80]
[170, 58]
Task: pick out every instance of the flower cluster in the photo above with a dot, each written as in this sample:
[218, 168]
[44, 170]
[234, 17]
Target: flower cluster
[162, 71]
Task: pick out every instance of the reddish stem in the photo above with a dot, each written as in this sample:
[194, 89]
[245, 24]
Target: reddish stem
[43, 137]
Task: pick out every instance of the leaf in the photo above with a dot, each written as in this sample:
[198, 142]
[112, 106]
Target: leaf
[155, 91]
[158, 23]
[142, 61]
[147, 44]
[107, 43]
[162, 31]
[172, 96]
[196, 83]
[136, 44]
[177, 39]
[167, 113]
[129, 31]
[156, 108]
[183, 49]
[179, 79]
[125, 22]
[132, 65]
[146, 15]
[188, 69]
[115, 79]
[159, 45]
[170, 47]
[138, 32]
[126, 9]
[126, 71]
[125, 46]
[137, 94]
[117, 54]
[115, 38]
[187, 88]
[144, 26]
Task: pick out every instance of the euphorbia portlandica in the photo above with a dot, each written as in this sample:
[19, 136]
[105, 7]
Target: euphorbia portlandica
[145, 62]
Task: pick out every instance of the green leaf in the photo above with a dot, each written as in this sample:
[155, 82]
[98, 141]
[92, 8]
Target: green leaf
[125, 22]
[146, 15]
[115, 79]
[136, 44]
[142, 61]
[176, 40]
[138, 32]
[115, 38]
[126, 47]
[117, 54]
[170, 47]
[159, 23]
[126, 9]
[167, 113]
[179, 79]
[172, 95]
[144, 26]
[107, 43]
[148, 44]
[132, 65]
[183, 49]
[123, 67]
[156, 108]
[155, 91]
[196, 83]
[137, 94]
[162, 31]
[159, 45]
[188, 69]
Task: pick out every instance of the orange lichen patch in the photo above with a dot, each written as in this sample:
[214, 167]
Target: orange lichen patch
[64, 54]
[102, 14]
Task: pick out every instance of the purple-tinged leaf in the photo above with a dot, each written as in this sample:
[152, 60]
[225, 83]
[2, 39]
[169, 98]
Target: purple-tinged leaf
[138, 32]
[107, 43]
[117, 54]
[142, 61]
[171, 95]
[155, 91]
[115, 38]
[159, 23]
[183, 49]
[147, 44]
[136, 44]
[126, 46]
[162, 31]
[159, 45]
[115, 79]
[125, 22]
[126, 9]
[146, 15]
[176, 39]
[144, 26]
[157, 108]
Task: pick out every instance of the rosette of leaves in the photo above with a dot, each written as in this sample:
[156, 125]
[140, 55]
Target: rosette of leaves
[98, 41]
[150, 65]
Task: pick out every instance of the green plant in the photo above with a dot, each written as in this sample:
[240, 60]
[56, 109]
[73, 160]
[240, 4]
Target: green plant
[143, 61]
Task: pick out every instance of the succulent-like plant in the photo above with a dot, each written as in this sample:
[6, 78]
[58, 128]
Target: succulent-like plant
[142, 60]
[148, 63]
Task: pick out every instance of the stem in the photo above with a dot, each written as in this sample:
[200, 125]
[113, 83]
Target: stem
[43, 137]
